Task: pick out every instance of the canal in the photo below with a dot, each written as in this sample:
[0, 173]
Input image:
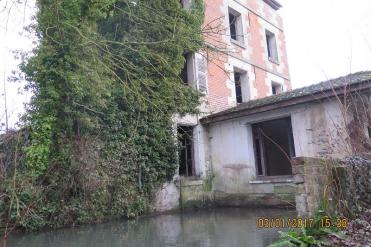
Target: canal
[212, 227]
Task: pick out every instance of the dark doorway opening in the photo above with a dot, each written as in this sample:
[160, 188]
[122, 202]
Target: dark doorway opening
[274, 147]
[185, 140]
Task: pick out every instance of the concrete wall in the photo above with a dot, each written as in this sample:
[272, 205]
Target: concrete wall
[317, 127]
[319, 131]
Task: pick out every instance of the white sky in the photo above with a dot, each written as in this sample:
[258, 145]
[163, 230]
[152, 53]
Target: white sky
[324, 39]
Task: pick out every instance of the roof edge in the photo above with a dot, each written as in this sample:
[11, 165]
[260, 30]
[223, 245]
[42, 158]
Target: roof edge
[318, 96]
[274, 4]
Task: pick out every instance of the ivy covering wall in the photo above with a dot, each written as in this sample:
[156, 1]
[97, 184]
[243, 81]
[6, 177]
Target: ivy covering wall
[105, 80]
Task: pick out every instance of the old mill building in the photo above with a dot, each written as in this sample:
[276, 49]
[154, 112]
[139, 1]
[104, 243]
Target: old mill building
[238, 151]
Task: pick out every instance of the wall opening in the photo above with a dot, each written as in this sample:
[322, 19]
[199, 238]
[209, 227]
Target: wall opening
[237, 84]
[185, 142]
[274, 147]
[271, 46]
[241, 85]
[184, 72]
[235, 25]
[276, 88]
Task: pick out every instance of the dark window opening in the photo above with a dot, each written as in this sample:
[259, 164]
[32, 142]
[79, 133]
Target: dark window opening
[237, 83]
[274, 91]
[274, 147]
[184, 72]
[232, 26]
[271, 46]
[369, 132]
[185, 141]
[276, 88]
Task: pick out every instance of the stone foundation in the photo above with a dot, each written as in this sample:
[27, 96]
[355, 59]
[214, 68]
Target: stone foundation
[195, 193]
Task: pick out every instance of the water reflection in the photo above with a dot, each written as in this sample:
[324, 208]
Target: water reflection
[218, 227]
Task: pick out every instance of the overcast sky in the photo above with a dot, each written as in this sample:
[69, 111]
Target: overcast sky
[324, 39]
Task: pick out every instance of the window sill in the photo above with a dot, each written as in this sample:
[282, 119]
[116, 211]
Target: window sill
[238, 43]
[273, 61]
[273, 179]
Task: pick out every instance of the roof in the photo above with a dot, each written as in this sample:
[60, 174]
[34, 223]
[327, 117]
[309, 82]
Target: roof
[273, 3]
[357, 81]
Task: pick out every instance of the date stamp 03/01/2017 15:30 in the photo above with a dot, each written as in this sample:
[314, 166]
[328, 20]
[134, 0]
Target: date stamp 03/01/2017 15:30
[324, 222]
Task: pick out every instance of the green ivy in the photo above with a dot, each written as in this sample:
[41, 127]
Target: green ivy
[105, 80]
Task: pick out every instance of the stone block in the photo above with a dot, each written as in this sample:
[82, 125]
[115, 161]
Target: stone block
[284, 189]
[299, 179]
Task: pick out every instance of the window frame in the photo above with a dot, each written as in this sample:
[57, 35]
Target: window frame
[192, 172]
[238, 26]
[272, 48]
[244, 84]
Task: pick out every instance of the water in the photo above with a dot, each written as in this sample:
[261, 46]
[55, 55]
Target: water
[218, 227]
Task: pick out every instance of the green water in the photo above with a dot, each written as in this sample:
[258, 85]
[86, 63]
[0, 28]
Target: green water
[217, 227]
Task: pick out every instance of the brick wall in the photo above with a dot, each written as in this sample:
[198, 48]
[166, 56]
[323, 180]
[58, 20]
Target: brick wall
[250, 56]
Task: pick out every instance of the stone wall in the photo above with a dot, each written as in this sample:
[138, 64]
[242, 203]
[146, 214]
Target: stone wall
[314, 181]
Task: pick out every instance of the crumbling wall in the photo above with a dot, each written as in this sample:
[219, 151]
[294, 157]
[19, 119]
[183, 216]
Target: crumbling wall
[339, 186]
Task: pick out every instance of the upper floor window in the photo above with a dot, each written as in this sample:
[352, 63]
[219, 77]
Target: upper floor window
[271, 46]
[276, 88]
[235, 25]
[237, 83]
[241, 85]
[185, 69]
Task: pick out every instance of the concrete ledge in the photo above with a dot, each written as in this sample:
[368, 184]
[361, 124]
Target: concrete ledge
[254, 199]
[272, 181]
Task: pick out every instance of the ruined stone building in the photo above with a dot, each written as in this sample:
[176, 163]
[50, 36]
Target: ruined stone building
[238, 150]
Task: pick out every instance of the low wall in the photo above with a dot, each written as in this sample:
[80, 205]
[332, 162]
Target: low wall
[194, 193]
[183, 193]
[259, 194]
[315, 180]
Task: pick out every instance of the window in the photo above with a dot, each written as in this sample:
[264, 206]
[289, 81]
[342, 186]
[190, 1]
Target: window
[369, 132]
[276, 88]
[235, 25]
[241, 85]
[274, 147]
[237, 84]
[184, 72]
[185, 141]
[186, 4]
[271, 46]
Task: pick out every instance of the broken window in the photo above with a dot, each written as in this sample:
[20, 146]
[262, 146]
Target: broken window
[235, 25]
[237, 83]
[185, 140]
[271, 46]
[276, 88]
[274, 147]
